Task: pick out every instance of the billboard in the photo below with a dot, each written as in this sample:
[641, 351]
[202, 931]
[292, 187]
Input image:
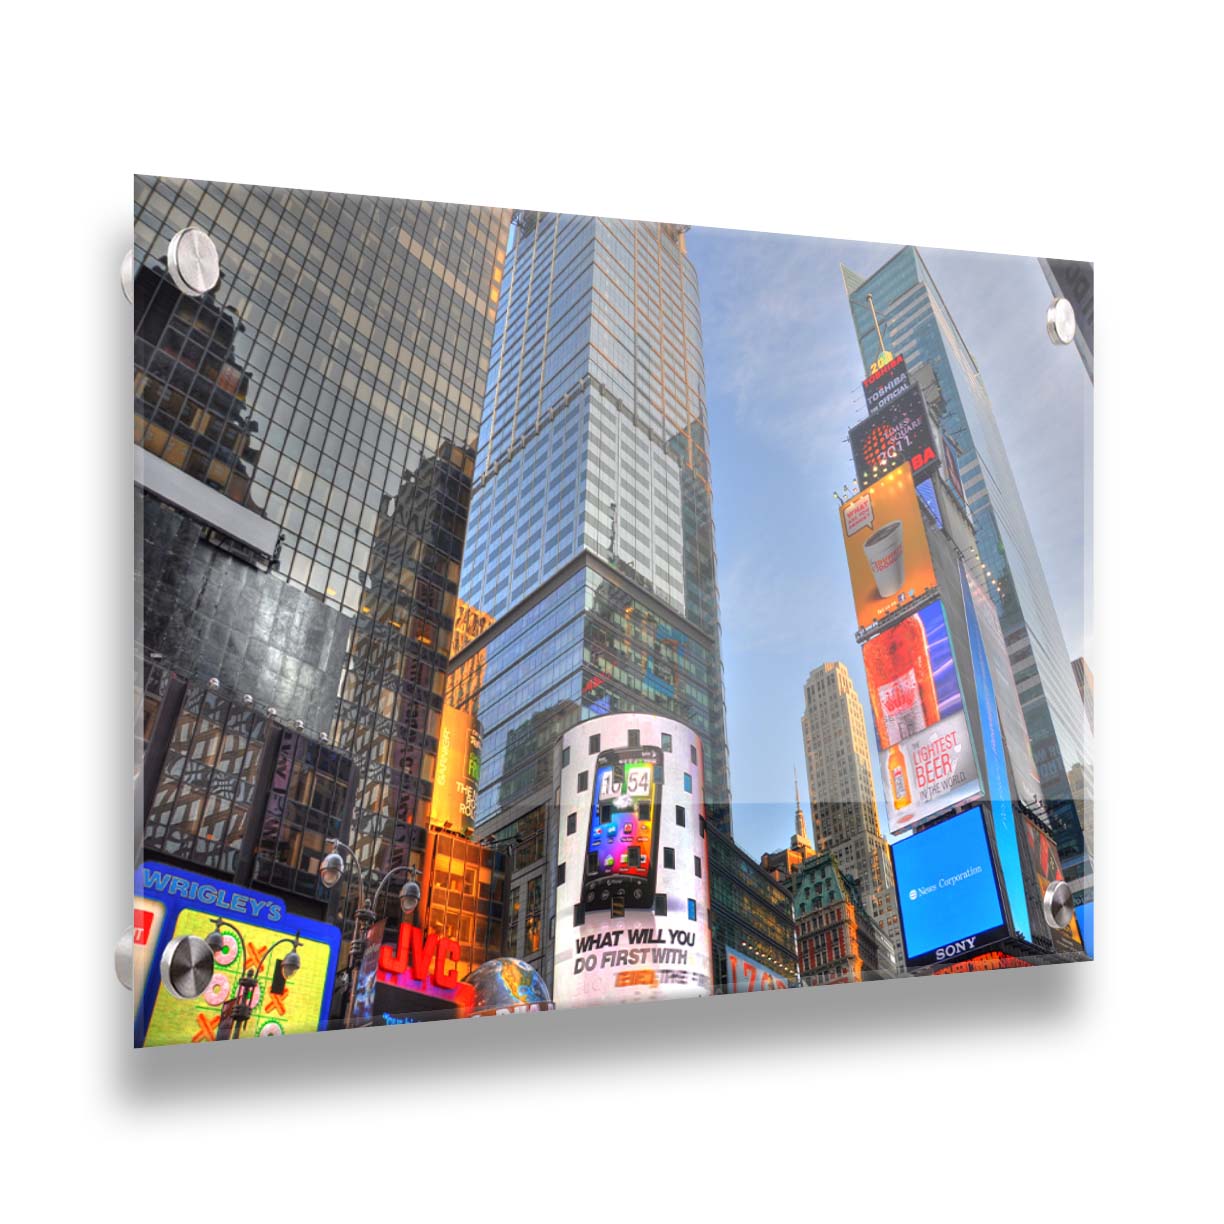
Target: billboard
[886, 547]
[881, 387]
[1047, 867]
[253, 923]
[457, 772]
[997, 783]
[927, 773]
[911, 676]
[632, 921]
[744, 974]
[418, 976]
[985, 963]
[363, 1000]
[1083, 916]
[948, 893]
[899, 433]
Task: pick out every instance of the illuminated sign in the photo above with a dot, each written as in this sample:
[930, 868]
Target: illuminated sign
[363, 998]
[952, 466]
[1083, 916]
[928, 773]
[253, 923]
[1046, 866]
[745, 974]
[897, 434]
[622, 837]
[456, 772]
[996, 786]
[632, 918]
[147, 919]
[985, 963]
[425, 963]
[883, 386]
[911, 676]
[948, 891]
[886, 547]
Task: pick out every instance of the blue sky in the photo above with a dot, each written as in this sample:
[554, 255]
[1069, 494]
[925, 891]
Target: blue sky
[782, 387]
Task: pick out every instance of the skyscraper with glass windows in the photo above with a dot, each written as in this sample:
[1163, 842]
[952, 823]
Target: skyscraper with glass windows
[591, 540]
[845, 820]
[305, 434]
[916, 323]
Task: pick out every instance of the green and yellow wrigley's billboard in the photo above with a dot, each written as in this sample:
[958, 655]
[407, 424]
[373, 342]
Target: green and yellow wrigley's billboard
[169, 902]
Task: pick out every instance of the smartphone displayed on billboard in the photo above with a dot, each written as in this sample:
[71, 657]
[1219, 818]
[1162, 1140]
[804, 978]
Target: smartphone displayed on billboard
[623, 834]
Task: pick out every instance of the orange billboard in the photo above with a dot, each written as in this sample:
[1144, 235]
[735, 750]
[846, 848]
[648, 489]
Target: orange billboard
[456, 773]
[886, 547]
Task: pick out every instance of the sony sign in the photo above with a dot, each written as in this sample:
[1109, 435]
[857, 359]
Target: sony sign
[949, 896]
[959, 948]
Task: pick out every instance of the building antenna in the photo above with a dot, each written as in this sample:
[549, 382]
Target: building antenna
[800, 823]
[885, 356]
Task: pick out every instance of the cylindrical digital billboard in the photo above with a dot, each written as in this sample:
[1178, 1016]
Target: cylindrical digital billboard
[633, 901]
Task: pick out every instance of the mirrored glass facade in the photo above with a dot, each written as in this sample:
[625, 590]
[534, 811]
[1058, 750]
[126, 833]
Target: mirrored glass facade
[330, 386]
[917, 324]
[591, 536]
[749, 912]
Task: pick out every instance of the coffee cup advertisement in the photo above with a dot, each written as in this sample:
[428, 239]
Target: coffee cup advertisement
[886, 547]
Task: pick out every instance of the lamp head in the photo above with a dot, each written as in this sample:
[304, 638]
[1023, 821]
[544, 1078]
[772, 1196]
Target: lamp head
[331, 869]
[409, 895]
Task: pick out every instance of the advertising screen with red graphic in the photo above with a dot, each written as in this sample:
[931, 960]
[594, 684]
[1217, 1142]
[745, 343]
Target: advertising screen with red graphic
[746, 974]
[897, 434]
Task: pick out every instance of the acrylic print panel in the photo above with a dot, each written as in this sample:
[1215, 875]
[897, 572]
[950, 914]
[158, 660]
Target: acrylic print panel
[440, 677]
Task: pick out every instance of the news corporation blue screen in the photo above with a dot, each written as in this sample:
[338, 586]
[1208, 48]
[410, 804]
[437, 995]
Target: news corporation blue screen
[946, 884]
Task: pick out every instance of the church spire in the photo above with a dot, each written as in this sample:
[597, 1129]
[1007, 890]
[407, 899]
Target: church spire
[800, 822]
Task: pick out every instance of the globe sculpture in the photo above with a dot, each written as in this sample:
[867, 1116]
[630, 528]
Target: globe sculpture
[506, 984]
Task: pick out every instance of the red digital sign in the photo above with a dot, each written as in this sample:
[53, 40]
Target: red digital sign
[744, 974]
[893, 435]
[425, 962]
[985, 962]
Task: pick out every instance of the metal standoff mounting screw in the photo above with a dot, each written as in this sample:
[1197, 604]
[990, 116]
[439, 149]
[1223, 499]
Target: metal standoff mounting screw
[271, 711]
[1058, 904]
[299, 724]
[1060, 321]
[247, 699]
[124, 953]
[214, 683]
[187, 966]
[127, 277]
[193, 262]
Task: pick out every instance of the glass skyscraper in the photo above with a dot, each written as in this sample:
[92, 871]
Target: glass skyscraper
[590, 539]
[916, 323]
[306, 434]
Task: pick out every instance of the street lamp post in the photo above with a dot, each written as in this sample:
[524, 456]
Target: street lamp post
[249, 977]
[331, 870]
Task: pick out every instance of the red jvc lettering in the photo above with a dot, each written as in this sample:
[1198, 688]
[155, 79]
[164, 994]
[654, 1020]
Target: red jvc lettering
[422, 955]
